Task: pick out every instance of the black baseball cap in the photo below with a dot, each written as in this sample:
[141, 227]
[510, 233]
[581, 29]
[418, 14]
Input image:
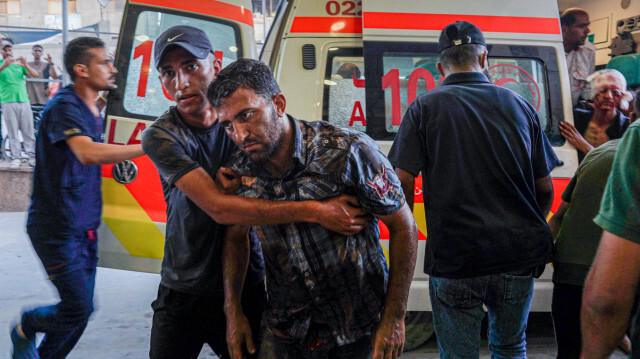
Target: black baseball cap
[189, 38]
[460, 33]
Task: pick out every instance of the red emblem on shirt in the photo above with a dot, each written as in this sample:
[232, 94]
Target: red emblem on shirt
[380, 183]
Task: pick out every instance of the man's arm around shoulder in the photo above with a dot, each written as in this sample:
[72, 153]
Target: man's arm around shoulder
[403, 244]
[340, 214]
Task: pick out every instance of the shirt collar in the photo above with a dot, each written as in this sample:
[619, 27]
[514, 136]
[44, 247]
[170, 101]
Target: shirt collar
[299, 145]
[465, 76]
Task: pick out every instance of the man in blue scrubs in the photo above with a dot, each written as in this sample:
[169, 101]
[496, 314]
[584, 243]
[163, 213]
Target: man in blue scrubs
[66, 202]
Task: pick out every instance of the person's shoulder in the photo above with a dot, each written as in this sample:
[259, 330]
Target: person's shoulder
[588, 47]
[336, 137]
[167, 123]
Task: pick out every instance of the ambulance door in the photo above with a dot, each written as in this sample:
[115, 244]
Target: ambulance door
[525, 55]
[134, 211]
[314, 37]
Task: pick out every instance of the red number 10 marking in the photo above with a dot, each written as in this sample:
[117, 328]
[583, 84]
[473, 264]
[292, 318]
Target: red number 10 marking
[392, 79]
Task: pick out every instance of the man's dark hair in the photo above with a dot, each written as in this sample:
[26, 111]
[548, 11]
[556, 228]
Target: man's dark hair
[569, 16]
[77, 52]
[461, 56]
[38, 46]
[245, 73]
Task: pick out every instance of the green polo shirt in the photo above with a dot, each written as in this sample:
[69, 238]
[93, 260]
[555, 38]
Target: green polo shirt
[578, 238]
[13, 88]
[620, 206]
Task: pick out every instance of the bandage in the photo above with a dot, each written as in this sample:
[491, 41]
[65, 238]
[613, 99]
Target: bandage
[602, 79]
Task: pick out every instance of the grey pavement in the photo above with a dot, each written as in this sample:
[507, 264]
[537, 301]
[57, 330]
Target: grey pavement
[121, 325]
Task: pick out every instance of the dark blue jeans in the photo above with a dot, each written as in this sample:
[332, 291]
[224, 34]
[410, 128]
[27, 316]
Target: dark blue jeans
[457, 314]
[70, 262]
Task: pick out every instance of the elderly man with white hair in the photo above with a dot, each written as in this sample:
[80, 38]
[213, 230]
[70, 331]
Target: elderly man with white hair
[604, 121]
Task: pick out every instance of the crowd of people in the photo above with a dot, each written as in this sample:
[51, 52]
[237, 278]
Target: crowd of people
[272, 239]
[20, 97]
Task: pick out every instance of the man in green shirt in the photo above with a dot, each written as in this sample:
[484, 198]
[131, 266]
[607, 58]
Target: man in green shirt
[16, 110]
[576, 243]
[611, 284]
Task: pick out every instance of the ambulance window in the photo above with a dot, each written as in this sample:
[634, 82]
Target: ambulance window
[400, 72]
[143, 93]
[525, 77]
[344, 93]
[406, 76]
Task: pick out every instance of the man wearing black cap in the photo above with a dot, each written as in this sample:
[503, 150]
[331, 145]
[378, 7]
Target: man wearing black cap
[188, 146]
[485, 166]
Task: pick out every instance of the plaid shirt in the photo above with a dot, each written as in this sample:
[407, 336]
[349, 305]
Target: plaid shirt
[315, 276]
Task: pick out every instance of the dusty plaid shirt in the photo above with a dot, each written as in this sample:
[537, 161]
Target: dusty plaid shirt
[315, 276]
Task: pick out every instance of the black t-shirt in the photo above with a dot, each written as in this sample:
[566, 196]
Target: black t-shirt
[193, 246]
[480, 149]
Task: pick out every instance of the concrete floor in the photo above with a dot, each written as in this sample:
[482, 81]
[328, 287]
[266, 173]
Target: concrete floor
[121, 326]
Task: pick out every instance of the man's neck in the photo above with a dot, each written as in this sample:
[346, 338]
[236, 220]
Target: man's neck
[603, 118]
[281, 161]
[88, 96]
[36, 61]
[205, 118]
[570, 47]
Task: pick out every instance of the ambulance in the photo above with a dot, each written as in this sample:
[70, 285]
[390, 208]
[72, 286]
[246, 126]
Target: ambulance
[353, 63]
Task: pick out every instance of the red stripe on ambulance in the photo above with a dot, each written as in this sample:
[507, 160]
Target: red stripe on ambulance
[318, 24]
[511, 24]
[209, 7]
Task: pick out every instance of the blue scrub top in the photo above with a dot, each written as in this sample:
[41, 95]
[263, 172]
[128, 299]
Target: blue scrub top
[66, 195]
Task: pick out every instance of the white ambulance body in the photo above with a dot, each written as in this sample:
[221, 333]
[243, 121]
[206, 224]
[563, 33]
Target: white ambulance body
[393, 44]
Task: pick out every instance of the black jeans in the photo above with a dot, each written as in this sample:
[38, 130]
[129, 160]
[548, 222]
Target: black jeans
[565, 309]
[183, 322]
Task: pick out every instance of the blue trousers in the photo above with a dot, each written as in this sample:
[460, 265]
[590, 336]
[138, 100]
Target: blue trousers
[70, 262]
[458, 313]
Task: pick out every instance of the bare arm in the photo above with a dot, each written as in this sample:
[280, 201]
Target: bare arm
[574, 137]
[403, 244]
[95, 153]
[339, 214]
[235, 260]
[52, 69]
[408, 183]
[30, 70]
[608, 295]
[555, 222]
[544, 194]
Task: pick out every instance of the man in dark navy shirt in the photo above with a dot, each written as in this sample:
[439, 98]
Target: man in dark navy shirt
[188, 146]
[486, 166]
[66, 202]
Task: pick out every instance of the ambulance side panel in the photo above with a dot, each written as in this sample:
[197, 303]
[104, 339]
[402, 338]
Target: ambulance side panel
[134, 214]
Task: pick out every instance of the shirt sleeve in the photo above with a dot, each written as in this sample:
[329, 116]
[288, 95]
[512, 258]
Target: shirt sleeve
[407, 151]
[167, 150]
[620, 206]
[68, 120]
[568, 192]
[543, 158]
[367, 170]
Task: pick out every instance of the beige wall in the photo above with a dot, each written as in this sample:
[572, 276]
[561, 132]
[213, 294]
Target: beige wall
[610, 9]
